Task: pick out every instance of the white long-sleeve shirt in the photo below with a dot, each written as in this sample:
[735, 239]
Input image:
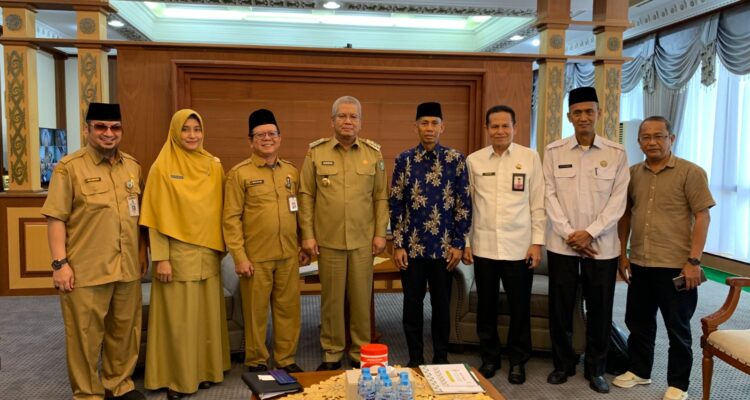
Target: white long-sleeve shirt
[586, 189]
[508, 202]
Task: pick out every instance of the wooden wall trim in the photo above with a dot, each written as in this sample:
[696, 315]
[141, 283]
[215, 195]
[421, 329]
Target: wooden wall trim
[22, 223]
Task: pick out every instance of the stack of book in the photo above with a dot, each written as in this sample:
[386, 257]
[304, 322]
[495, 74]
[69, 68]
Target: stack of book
[451, 379]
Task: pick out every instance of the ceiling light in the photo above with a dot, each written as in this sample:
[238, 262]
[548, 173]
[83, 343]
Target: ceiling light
[115, 23]
[332, 5]
[535, 42]
[516, 38]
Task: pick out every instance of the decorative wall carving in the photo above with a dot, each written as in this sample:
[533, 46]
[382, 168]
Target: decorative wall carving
[13, 22]
[556, 41]
[613, 44]
[87, 26]
[16, 85]
[612, 103]
[500, 45]
[89, 90]
[554, 104]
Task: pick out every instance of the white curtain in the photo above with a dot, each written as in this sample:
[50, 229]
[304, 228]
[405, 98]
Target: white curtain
[631, 104]
[716, 136]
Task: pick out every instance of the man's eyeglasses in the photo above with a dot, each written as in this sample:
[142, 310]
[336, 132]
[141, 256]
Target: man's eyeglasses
[264, 135]
[101, 128]
[656, 138]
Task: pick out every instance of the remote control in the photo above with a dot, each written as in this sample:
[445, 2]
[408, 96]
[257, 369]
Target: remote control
[282, 377]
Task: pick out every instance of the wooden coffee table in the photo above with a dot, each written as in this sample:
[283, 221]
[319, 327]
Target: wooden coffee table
[307, 379]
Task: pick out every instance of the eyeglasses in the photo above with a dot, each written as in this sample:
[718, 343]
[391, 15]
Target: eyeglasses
[101, 128]
[656, 138]
[264, 135]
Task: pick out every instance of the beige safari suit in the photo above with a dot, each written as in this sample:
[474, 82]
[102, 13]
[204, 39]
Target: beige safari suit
[343, 205]
[103, 312]
[260, 227]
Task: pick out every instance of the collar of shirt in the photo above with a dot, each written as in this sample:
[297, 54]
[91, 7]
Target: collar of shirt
[335, 143]
[422, 152]
[574, 142]
[260, 162]
[670, 164]
[98, 158]
[507, 152]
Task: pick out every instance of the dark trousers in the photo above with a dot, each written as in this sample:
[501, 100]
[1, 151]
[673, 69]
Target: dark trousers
[517, 278]
[651, 289]
[597, 278]
[414, 281]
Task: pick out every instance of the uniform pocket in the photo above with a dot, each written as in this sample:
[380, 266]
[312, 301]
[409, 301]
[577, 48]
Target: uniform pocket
[96, 194]
[604, 179]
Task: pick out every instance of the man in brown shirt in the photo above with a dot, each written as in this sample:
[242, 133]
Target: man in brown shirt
[92, 213]
[260, 229]
[667, 222]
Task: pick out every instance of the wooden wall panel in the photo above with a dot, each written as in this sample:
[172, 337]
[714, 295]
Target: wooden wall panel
[225, 85]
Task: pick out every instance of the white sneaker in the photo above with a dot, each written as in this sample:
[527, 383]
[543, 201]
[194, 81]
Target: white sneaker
[675, 394]
[629, 379]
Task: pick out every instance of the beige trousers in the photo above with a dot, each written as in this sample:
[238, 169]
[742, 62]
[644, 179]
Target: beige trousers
[345, 277]
[103, 319]
[274, 283]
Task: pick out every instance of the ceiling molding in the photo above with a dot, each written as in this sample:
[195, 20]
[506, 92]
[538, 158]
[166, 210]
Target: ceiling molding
[526, 31]
[436, 9]
[45, 31]
[128, 31]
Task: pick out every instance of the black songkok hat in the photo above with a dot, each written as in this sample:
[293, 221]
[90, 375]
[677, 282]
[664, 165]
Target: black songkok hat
[261, 117]
[103, 112]
[429, 109]
[582, 94]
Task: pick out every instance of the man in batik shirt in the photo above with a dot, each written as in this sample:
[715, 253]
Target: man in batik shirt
[430, 215]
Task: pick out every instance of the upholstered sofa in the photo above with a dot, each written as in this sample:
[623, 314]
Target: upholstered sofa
[463, 311]
[232, 300]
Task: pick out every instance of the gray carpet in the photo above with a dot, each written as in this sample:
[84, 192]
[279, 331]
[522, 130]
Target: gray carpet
[32, 352]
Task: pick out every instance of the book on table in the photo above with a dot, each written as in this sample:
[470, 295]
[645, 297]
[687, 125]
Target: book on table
[265, 386]
[451, 378]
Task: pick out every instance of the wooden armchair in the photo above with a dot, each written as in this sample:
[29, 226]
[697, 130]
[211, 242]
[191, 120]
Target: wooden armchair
[732, 346]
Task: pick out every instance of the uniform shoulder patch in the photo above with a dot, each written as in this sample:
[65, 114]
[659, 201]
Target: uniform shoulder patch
[557, 143]
[319, 141]
[129, 157]
[286, 161]
[372, 144]
[240, 164]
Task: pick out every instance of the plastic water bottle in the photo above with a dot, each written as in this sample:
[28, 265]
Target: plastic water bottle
[365, 388]
[405, 391]
[382, 373]
[386, 390]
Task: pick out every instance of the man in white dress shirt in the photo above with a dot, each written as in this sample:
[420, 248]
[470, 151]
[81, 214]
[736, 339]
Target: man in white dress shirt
[507, 234]
[586, 180]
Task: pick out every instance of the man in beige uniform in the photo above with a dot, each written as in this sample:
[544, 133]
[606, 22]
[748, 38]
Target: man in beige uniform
[343, 218]
[260, 229]
[92, 217]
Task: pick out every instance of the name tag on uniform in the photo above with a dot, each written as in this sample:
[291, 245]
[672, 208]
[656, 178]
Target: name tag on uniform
[293, 206]
[519, 182]
[256, 182]
[133, 208]
[326, 162]
[488, 174]
[97, 179]
[176, 176]
[565, 166]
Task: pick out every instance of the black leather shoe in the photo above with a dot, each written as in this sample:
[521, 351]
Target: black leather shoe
[415, 363]
[488, 369]
[329, 366]
[517, 374]
[172, 395]
[204, 385]
[599, 384]
[557, 376]
[292, 368]
[257, 368]
[131, 395]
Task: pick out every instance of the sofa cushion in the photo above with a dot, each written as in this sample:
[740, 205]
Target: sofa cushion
[539, 291]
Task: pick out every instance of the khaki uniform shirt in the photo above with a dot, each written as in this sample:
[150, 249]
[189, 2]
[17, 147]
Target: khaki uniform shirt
[343, 194]
[90, 196]
[258, 223]
[663, 207]
[585, 189]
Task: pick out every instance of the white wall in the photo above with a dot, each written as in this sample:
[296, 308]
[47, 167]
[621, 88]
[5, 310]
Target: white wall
[72, 117]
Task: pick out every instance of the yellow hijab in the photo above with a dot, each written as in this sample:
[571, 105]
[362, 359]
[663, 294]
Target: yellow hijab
[184, 191]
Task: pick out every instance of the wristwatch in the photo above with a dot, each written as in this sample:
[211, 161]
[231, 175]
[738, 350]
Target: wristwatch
[694, 261]
[57, 264]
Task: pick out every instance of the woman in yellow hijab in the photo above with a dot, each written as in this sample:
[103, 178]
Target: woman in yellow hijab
[187, 346]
